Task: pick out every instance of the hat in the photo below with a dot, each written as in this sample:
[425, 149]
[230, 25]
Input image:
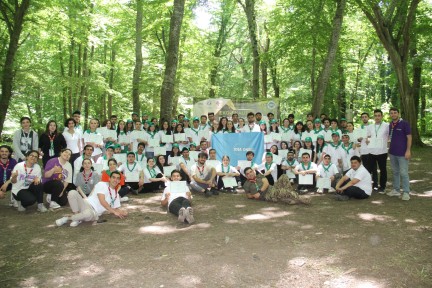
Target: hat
[320, 137]
[185, 149]
[273, 121]
[110, 147]
[117, 146]
[150, 123]
[308, 139]
[343, 119]
[185, 119]
[262, 122]
[345, 134]
[317, 121]
[195, 119]
[335, 133]
[174, 121]
[269, 154]
[129, 120]
[175, 145]
[134, 113]
[192, 144]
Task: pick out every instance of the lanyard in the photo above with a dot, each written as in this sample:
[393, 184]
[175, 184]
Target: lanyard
[376, 130]
[222, 167]
[27, 174]
[151, 171]
[393, 125]
[116, 195]
[4, 170]
[201, 170]
[86, 180]
[251, 128]
[127, 166]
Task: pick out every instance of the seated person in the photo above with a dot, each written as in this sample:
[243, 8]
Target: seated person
[269, 168]
[26, 183]
[122, 188]
[131, 166]
[178, 204]
[7, 164]
[328, 170]
[249, 157]
[203, 177]
[87, 154]
[225, 170]
[304, 168]
[86, 179]
[289, 164]
[356, 183]
[153, 177]
[104, 198]
[257, 187]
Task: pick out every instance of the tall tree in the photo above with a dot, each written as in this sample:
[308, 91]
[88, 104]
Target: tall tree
[13, 14]
[171, 61]
[138, 57]
[393, 27]
[331, 54]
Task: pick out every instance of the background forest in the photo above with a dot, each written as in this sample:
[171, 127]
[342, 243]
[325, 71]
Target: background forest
[103, 57]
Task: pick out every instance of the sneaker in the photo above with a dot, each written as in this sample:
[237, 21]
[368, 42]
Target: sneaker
[61, 221]
[134, 191]
[381, 191]
[393, 193]
[13, 203]
[234, 191]
[303, 191]
[75, 223]
[182, 214]
[41, 208]
[208, 193]
[239, 184]
[319, 190]
[375, 188]
[20, 207]
[332, 190]
[189, 215]
[124, 199]
[54, 205]
[214, 191]
[292, 181]
[340, 197]
[405, 196]
[48, 198]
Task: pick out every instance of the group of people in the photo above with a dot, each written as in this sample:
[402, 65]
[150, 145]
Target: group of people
[94, 170]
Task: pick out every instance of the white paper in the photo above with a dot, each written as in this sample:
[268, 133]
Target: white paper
[175, 160]
[178, 187]
[110, 134]
[194, 155]
[323, 183]
[140, 135]
[167, 139]
[204, 134]
[375, 143]
[213, 163]
[229, 182]
[302, 150]
[95, 138]
[243, 164]
[159, 151]
[328, 137]
[153, 142]
[120, 157]
[277, 159]
[132, 176]
[283, 153]
[268, 138]
[290, 174]
[276, 136]
[98, 168]
[124, 139]
[306, 179]
[168, 169]
[314, 137]
[180, 137]
[359, 133]
[286, 137]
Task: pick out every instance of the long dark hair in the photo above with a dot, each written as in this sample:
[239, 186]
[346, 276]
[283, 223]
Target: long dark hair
[168, 129]
[47, 127]
[158, 164]
[118, 128]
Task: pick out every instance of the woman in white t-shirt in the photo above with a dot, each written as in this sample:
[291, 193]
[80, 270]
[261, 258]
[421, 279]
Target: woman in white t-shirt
[226, 170]
[73, 139]
[269, 168]
[153, 177]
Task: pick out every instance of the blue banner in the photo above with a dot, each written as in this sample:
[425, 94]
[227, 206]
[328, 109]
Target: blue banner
[235, 145]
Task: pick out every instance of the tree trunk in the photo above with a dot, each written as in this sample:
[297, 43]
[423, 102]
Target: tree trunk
[178, 79]
[249, 9]
[70, 76]
[171, 61]
[14, 22]
[63, 77]
[138, 58]
[275, 84]
[111, 80]
[83, 79]
[325, 74]
[422, 110]
[341, 92]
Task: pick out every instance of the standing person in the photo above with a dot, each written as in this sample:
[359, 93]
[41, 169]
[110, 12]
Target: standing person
[364, 151]
[76, 115]
[319, 152]
[86, 179]
[24, 140]
[286, 131]
[166, 130]
[135, 137]
[298, 132]
[7, 164]
[108, 125]
[378, 132]
[26, 183]
[251, 125]
[152, 134]
[400, 153]
[73, 139]
[335, 151]
[97, 152]
[240, 125]
[104, 198]
[51, 142]
[356, 183]
[350, 149]
[56, 180]
[178, 204]
[122, 135]
[113, 119]
[235, 120]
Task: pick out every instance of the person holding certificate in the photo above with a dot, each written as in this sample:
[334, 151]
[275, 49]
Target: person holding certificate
[203, 177]
[174, 155]
[327, 170]
[350, 149]
[334, 149]
[227, 175]
[153, 140]
[153, 177]
[104, 159]
[134, 175]
[177, 197]
[306, 171]
[164, 134]
[356, 183]
[94, 138]
[180, 137]
[289, 164]
[269, 168]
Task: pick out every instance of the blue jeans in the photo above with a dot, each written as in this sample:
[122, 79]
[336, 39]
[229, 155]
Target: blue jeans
[400, 170]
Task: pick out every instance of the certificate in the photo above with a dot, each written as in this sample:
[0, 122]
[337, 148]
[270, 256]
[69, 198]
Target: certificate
[139, 135]
[328, 137]
[124, 139]
[178, 187]
[314, 137]
[95, 138]
[110, 134]
[268, 138]
[180, 137]
[132, 176]
[168, 169]
[98, 168]
[159, 151]
[120, 157]
[204, 134]
[290, 174]
[167, 138]
[323, 183]
[194, 155]
[359, 133]
[243, 164]
[229, 182]
[175, 160]
[375, 143]
[302, 150]
[213, 163]
[276, 136]
[153, 142]
[286, 137]
[306, 179]
[277, 159]
[283, 153]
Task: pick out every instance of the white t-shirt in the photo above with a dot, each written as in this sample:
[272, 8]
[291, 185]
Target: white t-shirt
[173, 195]
[148, 175]
[189, 163]
[364, 176]
[335, 152]
[127, 168]
[381, 132]
[194, 134]
[312, 166]
[363, 147]
[272, 168]
[72, 141]
[292, 165]
[25, 179]
[113, 198]
[327, 172]
[254, 128]
[86, 137]
[201, 173]
[168, 146]
[346, 156]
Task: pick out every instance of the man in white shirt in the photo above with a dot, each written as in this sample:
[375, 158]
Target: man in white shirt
[87, 154]
[334, 149]
[377, 143]
[328, 170]
[306, 167]
[356, 183]
[251, 125]
[364, 151]
[203, 177]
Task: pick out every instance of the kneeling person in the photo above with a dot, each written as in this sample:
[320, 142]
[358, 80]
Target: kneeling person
[356, 183]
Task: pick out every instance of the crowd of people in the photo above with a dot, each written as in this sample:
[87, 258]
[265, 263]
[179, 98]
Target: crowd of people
[94, 170]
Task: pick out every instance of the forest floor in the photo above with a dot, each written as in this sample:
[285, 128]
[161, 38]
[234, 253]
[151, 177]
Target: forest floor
[379, 242]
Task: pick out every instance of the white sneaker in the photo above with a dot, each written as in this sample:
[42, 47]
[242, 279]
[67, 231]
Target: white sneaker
[182, 214]
[319, 190]
[61, 221]
[292, 181]
[189, 215]
[332, 190]
[75, 223]
[405, 196]
[54, 205]
[393, 193]
[48, 198]
[41, 208]
[124, 199]
[20, 207]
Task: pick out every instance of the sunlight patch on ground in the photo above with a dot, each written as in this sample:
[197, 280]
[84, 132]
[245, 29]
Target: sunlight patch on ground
[204, 208]
[410, 221]
[29, 282]
[415, 181]
[307, 226]
[375, 217]
[168, 229]
[240, 206]
[187, 281]
[91, 270]
[266, 215]
[118, 275]
[378, 202]
[425, 194]
[232, 221]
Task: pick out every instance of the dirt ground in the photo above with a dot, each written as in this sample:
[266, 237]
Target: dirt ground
[235, 242]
